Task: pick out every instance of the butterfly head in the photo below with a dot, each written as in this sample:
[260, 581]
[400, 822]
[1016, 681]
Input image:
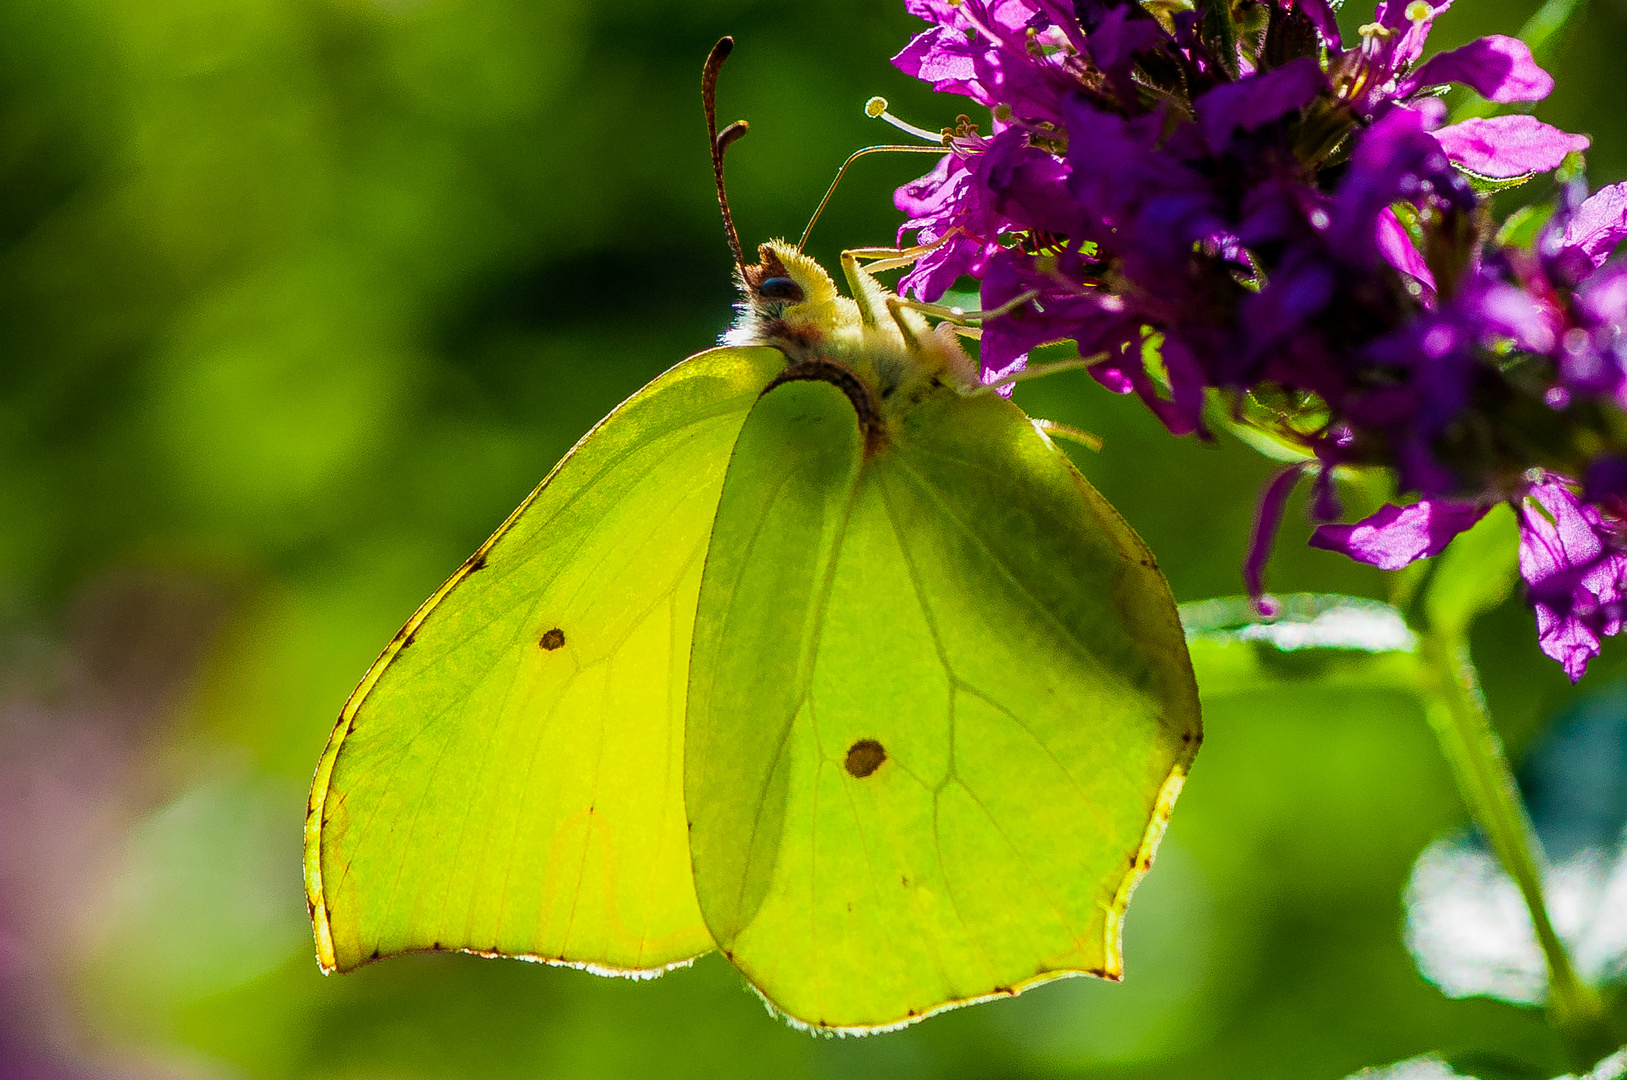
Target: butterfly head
[790, 302]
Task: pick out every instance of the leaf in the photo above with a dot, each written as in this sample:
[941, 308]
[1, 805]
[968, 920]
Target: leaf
[939, 711]
[506, 779]
[1428, 1067]
[1342, 642]
[1435, 1067]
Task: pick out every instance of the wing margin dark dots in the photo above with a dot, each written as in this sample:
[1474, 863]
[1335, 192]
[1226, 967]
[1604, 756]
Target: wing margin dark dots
[553, 639]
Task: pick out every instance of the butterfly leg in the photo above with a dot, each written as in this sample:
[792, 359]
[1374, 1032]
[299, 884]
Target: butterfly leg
[961, 317]
[870, 294]
[886, 258]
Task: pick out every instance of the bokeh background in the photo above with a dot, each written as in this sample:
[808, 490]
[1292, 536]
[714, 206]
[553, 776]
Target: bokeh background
[298, 298]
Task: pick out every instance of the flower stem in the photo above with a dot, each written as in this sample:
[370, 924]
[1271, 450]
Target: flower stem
[1457, 712]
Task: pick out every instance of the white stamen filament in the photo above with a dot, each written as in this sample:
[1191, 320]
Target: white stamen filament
[877, 107]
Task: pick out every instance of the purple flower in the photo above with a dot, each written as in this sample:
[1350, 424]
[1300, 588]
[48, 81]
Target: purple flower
[1379, 76]
[979, 48]
[1279, 223]
[982, 189]
[1395, 536]
[1371, 73]
[1572, 561]
[1071, 302]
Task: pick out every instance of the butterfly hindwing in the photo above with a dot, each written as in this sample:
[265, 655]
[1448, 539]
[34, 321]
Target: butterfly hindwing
[508, 777]
[940, 706]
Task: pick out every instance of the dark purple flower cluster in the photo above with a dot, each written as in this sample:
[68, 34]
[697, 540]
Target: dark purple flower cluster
[1226, 204]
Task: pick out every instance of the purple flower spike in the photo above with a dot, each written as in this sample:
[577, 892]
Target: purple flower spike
[1508, 147]
[1497, 68]
[1599, 224]
[1206, 216]
[1398, 535]
[1573, 565]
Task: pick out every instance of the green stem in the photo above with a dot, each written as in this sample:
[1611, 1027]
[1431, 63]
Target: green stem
[1457, 712]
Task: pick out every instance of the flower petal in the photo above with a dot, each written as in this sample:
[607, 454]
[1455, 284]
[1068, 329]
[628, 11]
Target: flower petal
[1573, 573]
[942, 57]
[1396, 245]
[1397, 535]
[1599, 224]
[1498, 68]
[1506, 147]
[1267, 519]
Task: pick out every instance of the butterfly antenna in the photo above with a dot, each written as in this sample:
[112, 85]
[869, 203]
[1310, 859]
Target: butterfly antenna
[721, 142]
[877, 107]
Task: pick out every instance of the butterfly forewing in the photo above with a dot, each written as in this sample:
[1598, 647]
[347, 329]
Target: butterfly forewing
[973, 712]
[508, 777]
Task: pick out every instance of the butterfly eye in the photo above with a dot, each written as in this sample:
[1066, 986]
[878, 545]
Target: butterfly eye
[780, 288]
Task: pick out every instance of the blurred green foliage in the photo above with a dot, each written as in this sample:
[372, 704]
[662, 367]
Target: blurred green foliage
[298, 298]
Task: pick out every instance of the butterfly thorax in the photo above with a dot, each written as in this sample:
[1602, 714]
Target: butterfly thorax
[791, 304]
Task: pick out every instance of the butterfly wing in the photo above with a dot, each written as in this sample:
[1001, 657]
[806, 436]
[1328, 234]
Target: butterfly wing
[507, 777]
[940, 707]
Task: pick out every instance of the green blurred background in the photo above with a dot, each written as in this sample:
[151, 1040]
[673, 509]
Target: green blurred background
[298, 298]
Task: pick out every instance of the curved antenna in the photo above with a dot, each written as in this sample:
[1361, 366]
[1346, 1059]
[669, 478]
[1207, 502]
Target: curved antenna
[721, 142]
[856, 155]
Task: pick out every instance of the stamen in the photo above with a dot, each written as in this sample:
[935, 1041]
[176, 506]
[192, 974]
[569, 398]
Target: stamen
[1419, 10]
[876, 107]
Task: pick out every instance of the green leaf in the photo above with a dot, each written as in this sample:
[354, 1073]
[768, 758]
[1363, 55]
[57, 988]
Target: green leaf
[1341, 642]
[939, 711]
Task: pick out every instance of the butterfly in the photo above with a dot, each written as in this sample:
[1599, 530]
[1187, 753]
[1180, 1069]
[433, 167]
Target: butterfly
[813, 652]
